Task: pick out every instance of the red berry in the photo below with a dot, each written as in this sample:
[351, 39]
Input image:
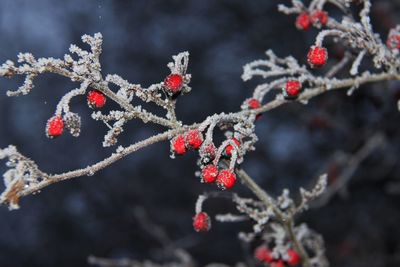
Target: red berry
[229, 148]
[209, 173]
[226, 179]
[319, 17]
[294, 257]
[393, 41]
[173, 83]
[253, 103]
[194, 138]
[179, 145]
[201, 222]
[263, 254]
[303, 21]
[55, 126]
[317, 56]
[292, 89]
[96, 99]
[208, 151]
[278, 263]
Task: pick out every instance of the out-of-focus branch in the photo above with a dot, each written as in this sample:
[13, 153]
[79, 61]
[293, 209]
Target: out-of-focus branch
[183, 260]
[352, 164]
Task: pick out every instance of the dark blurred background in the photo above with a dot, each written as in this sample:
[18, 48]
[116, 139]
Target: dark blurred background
[98, 215]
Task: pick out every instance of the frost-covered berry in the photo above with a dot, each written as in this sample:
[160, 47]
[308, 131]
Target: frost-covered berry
[209, 173]
[96, 99]
[303, 21]
[194, 138]
[263, 254]
[292, 89]
[229, 148]
[72, 122]
[226, 179]
[319, 18]
[201, 222]
[207, 152]
[173, 83]
[253, 103]
[317, 56]
[278, 263]
[179, 145]
[54, 127]
[393, 41]
[294, 257]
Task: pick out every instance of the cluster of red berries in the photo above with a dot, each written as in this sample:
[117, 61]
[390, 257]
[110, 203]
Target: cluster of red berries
[183, 142]
[292, 89]
[201, 222]
[193, 139]
[317, 56]
[264, 255]
[225, 179]
[55, 125]
[317, 18]
[173, 84]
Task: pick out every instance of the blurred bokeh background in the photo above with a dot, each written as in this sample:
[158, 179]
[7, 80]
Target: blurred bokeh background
[100, 215]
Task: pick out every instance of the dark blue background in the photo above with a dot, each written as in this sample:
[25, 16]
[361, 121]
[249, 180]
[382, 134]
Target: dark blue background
[95, 215]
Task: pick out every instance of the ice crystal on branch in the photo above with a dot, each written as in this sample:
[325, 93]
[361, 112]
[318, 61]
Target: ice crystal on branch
[22, 173]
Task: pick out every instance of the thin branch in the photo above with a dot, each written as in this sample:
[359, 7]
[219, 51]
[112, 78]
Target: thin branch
[353, 162]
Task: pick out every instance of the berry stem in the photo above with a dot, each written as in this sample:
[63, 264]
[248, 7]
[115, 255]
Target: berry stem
[103, 87]
[48, 179]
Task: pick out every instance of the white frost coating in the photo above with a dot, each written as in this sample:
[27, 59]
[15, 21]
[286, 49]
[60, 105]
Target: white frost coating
[199, 203]
[325, 33]
[229, 217]
[308, 196]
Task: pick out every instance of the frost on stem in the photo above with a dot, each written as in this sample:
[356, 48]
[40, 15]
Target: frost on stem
[84, 68]
[356, 34]
[276, 242]
[22, 173]
[308, 196]
[273, 220]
